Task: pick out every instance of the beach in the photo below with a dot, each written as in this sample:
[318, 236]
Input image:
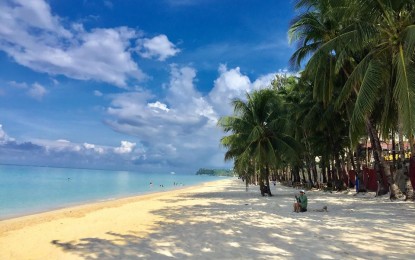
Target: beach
[217, 220]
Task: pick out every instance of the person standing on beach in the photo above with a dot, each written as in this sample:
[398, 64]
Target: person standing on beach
[301, 204]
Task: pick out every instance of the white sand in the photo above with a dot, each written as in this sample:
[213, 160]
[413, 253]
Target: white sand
[218, 221]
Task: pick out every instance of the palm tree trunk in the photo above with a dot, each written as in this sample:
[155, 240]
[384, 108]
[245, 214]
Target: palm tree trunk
[339, 172]
[329, 175]
[382, 165]
[247, 180]
[323, 170]
[303, 174]
[267, 180]
[378, 168]
[352, 163]
[359, 172]
[309, 169]
[409, 192]
[314, 169]
[296, 173]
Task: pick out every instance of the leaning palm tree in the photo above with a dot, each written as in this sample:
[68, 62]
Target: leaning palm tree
[257, 134]
[386, 31]
[372, 47]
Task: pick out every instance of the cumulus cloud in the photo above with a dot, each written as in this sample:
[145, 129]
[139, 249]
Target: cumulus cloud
[232, 84]
[63, 152]
[180, 128]
[35, 38]
[4, 138]
[158, 105]
[95, 148]
[157, 47]
[126, 147]
[37, 91]
[174, 132]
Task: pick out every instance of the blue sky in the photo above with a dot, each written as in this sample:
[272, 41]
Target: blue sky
[131, 84]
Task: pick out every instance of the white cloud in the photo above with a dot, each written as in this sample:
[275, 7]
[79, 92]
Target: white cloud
[63, 145]
[4, 138]
[126, 147]
[157, 47]
[62, 152]
[95, 148]
[19, 85]
[35, 38]
[60, 145]
[232, 84]
[158, 105]
[175, 132]
[37, 91]
[229, 85]
[181, 89]
[98, 93]
[35, 14]
[263, 81]
[181, 126]
[89, 146]
[54, 81]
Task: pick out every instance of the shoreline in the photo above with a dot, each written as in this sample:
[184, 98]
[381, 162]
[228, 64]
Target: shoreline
[99, 201]
[71, 210]
[40, 234]
[217, 220]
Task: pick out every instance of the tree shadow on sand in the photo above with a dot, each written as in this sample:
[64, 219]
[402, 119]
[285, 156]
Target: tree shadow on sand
[239, 225]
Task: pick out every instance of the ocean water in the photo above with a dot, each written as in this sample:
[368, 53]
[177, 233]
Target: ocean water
[25, 189]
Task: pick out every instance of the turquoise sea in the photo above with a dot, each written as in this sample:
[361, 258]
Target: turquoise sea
[26, 190]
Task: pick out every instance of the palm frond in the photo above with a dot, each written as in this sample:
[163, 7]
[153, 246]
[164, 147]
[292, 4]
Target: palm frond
[404, 91]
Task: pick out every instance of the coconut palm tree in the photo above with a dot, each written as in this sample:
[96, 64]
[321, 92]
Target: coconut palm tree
[372, 45]
[257, 134]
[385, 73]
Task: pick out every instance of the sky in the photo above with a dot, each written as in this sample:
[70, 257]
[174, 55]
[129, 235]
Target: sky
[131, 84]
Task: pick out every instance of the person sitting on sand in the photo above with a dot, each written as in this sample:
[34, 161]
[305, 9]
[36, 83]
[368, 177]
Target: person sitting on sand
[301, 204]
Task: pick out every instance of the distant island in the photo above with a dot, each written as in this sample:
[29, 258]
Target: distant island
[215, 172]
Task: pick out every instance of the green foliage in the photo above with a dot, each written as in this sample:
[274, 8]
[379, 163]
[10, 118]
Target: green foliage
[215, 172]
[361, 53]
[358, 60]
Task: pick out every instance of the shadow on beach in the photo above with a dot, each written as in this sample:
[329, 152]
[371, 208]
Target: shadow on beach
[235, 224]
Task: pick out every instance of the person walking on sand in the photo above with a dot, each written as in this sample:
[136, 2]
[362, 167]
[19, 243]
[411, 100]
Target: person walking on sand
[301, 204]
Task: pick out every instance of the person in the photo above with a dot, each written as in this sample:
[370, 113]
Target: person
[301, 204]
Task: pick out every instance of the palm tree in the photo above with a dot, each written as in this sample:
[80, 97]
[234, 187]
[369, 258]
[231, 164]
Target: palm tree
[257, 134]
[385, 72]
[369, 46]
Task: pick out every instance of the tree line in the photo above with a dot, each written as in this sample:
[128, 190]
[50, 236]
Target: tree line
[357, 82]
[215, 172]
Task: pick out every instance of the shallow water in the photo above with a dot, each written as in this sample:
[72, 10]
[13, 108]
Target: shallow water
[26, 189]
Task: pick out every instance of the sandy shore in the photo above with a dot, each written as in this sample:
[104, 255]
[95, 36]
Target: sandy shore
[217, 220]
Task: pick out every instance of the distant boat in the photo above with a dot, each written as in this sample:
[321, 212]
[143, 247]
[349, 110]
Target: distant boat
[172, 173]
